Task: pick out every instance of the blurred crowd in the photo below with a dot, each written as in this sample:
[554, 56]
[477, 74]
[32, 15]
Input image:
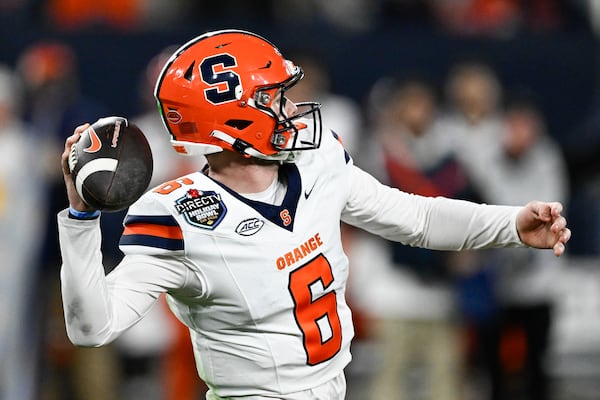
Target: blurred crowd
[509, 324]
[465, 17]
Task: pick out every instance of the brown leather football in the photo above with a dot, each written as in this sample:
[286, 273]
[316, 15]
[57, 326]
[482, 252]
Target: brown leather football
[111, 164]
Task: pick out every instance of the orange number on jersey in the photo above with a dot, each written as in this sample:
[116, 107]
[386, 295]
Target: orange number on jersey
[318, 319]
[168, 187]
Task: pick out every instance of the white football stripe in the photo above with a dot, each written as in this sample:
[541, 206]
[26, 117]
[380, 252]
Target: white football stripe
[99, 164]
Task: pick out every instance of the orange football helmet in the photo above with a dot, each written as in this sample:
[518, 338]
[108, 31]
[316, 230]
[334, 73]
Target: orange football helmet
[219, 91]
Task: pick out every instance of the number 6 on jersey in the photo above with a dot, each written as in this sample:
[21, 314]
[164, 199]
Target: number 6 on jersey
[318, 319]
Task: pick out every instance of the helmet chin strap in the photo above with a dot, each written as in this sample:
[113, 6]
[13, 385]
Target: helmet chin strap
[246, 149]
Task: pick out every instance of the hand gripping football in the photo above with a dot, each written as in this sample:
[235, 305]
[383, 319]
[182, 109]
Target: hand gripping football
[111, 164]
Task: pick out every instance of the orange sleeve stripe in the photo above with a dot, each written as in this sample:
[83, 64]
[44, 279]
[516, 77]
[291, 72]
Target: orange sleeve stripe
[163, 231]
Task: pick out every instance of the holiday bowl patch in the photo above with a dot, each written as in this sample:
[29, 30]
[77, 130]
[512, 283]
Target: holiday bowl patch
[202, 209]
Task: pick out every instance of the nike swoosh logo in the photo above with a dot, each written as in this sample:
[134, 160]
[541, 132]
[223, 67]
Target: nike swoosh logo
[95, 143]
[308, 192]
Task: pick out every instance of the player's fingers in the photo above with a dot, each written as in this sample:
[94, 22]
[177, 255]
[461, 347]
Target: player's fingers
[563, 238]
[65, 156]
[556, 209]
[541, 210]
[565, 235]
[71, 140]
[559, 249]
[559, 224]
[81, 128]
[77, 134]
[548, 211]
[64, 162]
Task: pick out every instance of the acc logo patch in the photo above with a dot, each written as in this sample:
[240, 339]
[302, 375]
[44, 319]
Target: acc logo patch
[202, 209]
[249, 227]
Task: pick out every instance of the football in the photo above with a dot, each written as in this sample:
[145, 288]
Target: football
[111, 164]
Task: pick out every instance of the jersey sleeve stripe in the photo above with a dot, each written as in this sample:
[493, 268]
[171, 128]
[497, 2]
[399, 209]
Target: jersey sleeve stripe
[339, 139]
[167, 232]
[166, 220]
[159, 231]
[152, 241]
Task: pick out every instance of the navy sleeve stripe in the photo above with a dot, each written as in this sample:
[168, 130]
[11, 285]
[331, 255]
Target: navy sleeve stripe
[166, 220]
[152, 241]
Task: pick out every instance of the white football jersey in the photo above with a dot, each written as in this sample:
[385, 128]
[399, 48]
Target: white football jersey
[261, 286]
[271, 317]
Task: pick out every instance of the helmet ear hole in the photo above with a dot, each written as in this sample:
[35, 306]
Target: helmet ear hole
[239, 124]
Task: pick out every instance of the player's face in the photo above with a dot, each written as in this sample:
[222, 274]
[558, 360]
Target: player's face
[283, 107]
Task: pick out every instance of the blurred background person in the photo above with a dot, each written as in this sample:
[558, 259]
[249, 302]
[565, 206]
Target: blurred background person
[347, 16]
[529, 164]
[53, 106]
[341, 113]
[505, 18]
[472, 114]
[472, 120]
[22, 218]
[121, 15]
[412, 301]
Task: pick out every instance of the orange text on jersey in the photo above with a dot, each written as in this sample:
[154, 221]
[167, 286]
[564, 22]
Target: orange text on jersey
[298, 253]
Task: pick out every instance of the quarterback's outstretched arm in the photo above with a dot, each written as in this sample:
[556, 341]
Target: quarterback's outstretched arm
[446, 224]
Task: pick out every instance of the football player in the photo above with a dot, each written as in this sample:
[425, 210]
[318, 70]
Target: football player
[248, 250]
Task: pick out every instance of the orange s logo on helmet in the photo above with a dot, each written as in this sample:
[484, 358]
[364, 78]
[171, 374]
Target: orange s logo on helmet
[95, 143]
[224, 84]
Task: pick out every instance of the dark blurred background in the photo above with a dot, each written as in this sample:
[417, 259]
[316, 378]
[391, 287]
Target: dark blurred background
[103, 53]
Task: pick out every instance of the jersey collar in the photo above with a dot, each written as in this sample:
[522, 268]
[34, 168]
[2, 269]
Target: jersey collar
[282, 215]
